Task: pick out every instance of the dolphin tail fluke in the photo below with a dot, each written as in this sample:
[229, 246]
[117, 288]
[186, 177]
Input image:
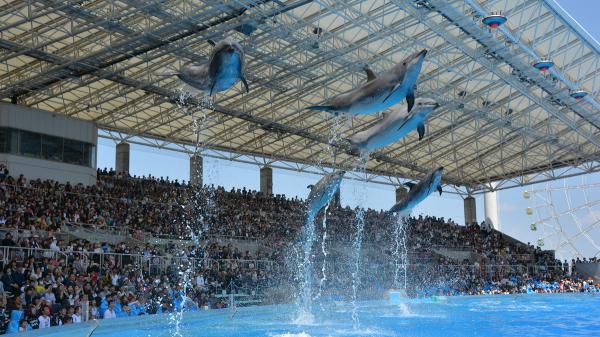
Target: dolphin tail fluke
[410, 100]
[245, 84]
[355, 146]
[168, 73]
[326, 108]
[402, 213]
[410, 185]
[212, 88]
[439, 189]
[421, 131]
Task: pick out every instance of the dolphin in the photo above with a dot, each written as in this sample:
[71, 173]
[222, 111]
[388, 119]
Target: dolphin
[395, 125]
[418, 192]
[379, 92]
[225, 67]
[322, 192]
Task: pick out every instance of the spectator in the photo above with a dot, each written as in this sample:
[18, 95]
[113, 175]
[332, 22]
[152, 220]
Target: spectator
[110, 312]
[44, 318]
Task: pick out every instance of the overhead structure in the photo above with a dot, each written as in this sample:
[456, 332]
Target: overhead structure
[500, 118]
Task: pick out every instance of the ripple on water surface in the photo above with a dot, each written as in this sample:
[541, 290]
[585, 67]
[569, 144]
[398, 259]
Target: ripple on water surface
[500, 315]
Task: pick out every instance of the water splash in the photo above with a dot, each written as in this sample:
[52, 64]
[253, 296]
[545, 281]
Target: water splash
[357, 244]
[198, 207]
[360, 224]
[324, 252]
[400, 254]
[306, 268]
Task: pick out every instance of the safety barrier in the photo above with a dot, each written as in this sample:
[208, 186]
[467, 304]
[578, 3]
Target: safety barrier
[147, 263]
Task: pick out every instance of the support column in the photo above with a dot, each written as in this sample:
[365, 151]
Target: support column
[122, 158]
[401, 193]
[470, 211]
[196, 170]
[490, 202]
[266, 180]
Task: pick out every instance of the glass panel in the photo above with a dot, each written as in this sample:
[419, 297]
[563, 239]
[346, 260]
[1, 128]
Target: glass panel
[31, 144]
[4, 140]
[93, 147]
[52, 148]
[14, 141]
[88, 155]
[73, 152]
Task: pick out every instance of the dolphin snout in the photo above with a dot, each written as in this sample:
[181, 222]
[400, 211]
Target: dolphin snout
[422, 53]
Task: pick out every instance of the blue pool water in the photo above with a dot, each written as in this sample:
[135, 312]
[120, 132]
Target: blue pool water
[499, 315]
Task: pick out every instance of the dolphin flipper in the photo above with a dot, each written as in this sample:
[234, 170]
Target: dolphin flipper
[410, 100]
[245, 83]
[439, 189]
[421, 131]
[392, 92]
[326, 108]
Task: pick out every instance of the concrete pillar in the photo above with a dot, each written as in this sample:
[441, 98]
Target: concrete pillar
[490, 203]
[266, 180]
[470, 211]
[401, 193]
[122, 158]
[196, 170]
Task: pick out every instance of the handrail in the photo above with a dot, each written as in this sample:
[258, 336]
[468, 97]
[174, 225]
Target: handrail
[26, 252]
[140, 259]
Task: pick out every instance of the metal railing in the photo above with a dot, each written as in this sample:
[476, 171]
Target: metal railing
[10, 254]
[149, 264]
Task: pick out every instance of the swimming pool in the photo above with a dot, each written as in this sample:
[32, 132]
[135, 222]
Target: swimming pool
[498, 315]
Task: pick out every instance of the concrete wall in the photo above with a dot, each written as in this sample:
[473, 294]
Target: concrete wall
[48, 123]
[33, 168]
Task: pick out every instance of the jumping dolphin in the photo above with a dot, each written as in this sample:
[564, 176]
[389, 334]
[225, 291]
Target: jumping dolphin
[321, 194]
[418, 192]
[224, 68]
[395, 125]
[380, 92]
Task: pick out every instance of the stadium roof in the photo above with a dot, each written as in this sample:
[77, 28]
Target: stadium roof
[501, 119]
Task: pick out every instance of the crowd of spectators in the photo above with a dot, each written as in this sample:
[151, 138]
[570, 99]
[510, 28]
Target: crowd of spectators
[50, 279]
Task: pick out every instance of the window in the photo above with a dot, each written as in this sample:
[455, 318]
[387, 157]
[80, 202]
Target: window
[47, 147]
[31, 143]
[52, 148]
[4, 140]
[73, 152]
[89, 155]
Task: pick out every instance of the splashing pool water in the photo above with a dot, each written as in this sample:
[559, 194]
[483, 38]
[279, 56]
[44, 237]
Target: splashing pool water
[499, 315]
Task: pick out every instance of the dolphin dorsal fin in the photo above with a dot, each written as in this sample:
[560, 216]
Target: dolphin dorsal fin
[310, 186]
[410, 185]
[370, 74]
